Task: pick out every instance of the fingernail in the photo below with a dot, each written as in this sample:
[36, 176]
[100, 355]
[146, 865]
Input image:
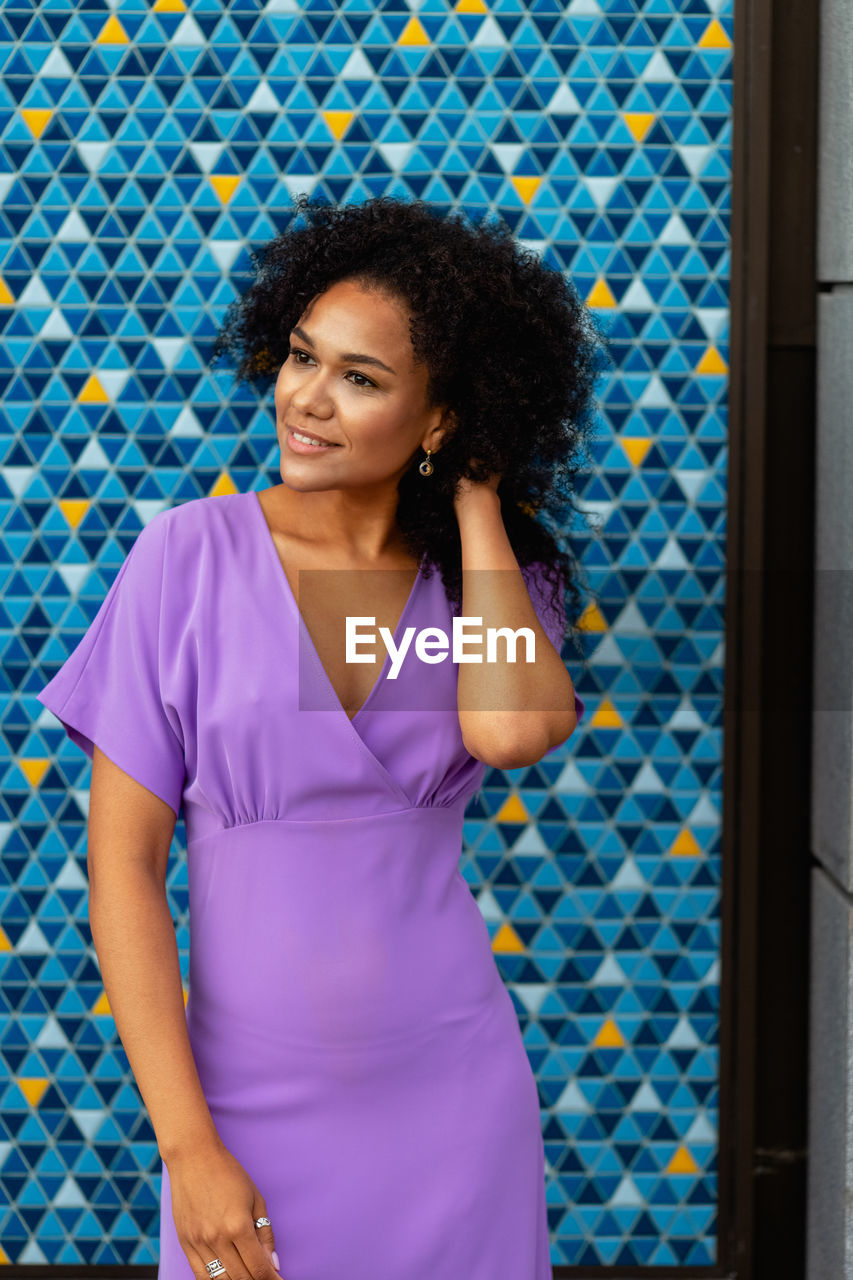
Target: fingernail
[275, 1261]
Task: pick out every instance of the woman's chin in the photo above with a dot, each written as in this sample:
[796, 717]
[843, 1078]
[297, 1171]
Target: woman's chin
[304, 484]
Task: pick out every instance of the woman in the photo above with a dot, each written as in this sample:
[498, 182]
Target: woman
[347, 1092]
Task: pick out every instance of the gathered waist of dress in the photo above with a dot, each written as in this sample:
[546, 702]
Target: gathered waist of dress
[201, 825]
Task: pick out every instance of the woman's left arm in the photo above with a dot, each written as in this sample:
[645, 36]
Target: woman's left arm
[510, 713]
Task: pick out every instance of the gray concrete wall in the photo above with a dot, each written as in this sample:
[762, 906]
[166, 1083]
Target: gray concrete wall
[835, 142]
[830, 1135]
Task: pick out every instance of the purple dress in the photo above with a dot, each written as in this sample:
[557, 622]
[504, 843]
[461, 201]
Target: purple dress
[358, 1050]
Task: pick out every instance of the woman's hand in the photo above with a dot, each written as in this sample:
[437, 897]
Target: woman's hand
[465, 488]
[214, 1206]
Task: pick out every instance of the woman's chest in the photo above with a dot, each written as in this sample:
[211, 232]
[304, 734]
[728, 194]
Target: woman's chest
[354, 620]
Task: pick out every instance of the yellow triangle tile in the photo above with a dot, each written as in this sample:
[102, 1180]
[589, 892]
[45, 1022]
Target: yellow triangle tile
[37, 119]
[34, 770]
[600, 295]
[682, 1162]
[413, 33]
[506, 939]
[93, 392]
[471, 6]
[4, 1257]
[6, 299]
[338, 122]
[102, 1004]
[714, 37]
[685, 845]
[168, 6]
[113, 32]
[223, 485]
[513, 810]
[224, 184]
[74, 509]
[609, 1036]
[592, 619]
[5, 943]
[606, 716]
[712, 362]
[639, 122]
[526, 187]
[33, 1088]
[636, 447]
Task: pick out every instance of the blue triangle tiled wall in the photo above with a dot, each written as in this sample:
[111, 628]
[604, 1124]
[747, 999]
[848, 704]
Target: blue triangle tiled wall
[145, 146]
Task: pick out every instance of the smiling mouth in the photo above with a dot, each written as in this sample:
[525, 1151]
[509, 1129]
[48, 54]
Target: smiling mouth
[305, 437]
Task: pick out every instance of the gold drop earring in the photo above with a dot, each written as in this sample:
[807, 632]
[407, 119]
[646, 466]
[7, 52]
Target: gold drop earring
[426, 468]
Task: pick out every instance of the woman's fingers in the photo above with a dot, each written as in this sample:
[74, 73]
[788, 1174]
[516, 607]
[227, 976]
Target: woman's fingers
[255, 1256]
[197, 1262]
[244, 1257]
[224, 1250]
[265, 1232]
[241, 1253]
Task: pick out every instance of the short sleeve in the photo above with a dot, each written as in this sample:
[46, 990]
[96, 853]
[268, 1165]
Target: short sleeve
[108, 691]
[553, 623]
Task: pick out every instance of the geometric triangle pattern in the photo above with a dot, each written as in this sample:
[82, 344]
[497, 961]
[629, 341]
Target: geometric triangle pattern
[147, 147]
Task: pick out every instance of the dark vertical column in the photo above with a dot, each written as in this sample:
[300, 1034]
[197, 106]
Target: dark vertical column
[769, 642]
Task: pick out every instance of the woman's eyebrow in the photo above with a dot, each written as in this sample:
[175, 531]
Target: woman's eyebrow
[345, 356]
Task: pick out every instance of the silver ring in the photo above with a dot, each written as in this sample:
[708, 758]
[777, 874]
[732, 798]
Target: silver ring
[262, 1222]
[215, 1268]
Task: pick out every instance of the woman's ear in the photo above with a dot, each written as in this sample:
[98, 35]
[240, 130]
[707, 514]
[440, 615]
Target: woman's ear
[438, 435]
[449, 423]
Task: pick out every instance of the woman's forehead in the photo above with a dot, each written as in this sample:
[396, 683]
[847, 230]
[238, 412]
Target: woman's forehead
[347, 313]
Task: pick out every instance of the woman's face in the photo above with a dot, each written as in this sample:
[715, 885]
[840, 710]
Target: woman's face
[351, 379]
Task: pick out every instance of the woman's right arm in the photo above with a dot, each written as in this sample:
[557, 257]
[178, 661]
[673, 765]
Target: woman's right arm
[214, 1201]
[130, 834]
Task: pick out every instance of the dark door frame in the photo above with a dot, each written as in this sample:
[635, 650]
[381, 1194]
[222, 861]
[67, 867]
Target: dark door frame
[770, 566]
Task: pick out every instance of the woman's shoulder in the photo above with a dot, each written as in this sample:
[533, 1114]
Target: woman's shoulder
[190, 535]
[208, 517]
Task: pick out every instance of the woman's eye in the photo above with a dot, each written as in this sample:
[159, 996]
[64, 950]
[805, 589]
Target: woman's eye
[297, 353]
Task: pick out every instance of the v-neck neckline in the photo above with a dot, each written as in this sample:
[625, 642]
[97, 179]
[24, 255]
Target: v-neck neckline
[291, 599]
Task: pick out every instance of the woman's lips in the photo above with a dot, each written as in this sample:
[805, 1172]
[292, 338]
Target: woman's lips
[299, 446]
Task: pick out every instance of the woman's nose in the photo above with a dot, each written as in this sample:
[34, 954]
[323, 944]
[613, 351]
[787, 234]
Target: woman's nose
[311, 393]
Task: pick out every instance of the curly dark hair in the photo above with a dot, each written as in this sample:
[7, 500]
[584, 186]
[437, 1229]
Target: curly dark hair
[509, 346]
